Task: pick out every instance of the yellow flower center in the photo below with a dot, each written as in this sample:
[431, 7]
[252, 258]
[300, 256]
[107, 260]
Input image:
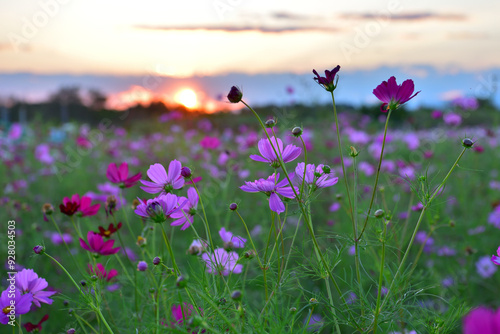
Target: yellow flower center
[6, 310]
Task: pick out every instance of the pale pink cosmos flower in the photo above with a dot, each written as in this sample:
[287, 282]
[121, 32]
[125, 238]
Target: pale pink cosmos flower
[27, 281]
[272, 187]
[496, 259]
[231, 241]
[185, 216]
[119, 175]
[221, 262]
[314, 176]
[289, 153]
[163, 182]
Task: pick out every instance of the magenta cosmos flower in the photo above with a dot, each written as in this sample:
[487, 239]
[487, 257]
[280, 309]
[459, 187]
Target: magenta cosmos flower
[315, 176]
[185, 215]
[81, 205]
[162, 181]
[119, 175]
[102, 273]
[496, 259]
[22, 305]
[159, 209]
[482, 321]
[271, 187]
[181, 313]
[27, 281]
[393, 95]
[328, 81]
[290, 153]
[97, 245]
[221, 262]
[231, 241]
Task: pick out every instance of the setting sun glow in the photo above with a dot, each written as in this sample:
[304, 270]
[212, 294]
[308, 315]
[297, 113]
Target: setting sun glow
[187, 97]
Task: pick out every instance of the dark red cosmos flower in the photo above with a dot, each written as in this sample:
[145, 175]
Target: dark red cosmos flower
[120, 176]
[393, 95]
[328, 81]
[69, 207]
[31, 327]
[109, 232]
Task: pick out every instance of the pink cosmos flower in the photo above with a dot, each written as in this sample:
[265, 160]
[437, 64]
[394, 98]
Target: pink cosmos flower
[210, 143]
[101, 272]
[162, 181]
[22, 303]
[496, 259]
[97, 245]
[159, 209]
[290, 153]
[231, 241]
[185, 216]
[272, 188]
[315, 176]
[328, 81]
[120, 176]
[482, 321]
[38, 327]
[393, 95]
[27, 281]
[181, 313]
[221, 262]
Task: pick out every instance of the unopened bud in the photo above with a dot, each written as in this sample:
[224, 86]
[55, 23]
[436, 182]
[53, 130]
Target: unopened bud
[181, 282]
[135, 204]
[47, 208]
[379, 213]
[233, 206]
[186, 172]
[353, 153]
[38, 249]
[467, 143]
[270, 123]
[296, 131]
[327, 169]
[236, 295]
[293, 309]
[249, 254]
[156, 261]
[235, 95]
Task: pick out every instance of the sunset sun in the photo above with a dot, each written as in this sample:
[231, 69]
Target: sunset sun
[187, 97]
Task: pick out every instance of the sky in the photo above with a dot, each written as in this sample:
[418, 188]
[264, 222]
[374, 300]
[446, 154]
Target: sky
[183, 41]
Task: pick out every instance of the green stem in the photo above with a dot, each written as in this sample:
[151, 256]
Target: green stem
[376, 177]
[357, 260]
[380, 280]
[169, 248]
[426, 205]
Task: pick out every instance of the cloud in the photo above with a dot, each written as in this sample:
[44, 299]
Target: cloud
[294, 17]
[260, 29]
[416, 16]
[467, 35]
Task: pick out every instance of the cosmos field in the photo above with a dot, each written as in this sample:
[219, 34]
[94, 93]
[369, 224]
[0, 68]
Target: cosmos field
[346, 222]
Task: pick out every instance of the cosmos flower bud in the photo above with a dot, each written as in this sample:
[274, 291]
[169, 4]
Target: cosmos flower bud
[142, 266]
[353, 153]
[235, 95]
[293, 309]
[93, 278]
[181, 282]
[379, 213]
[71, 331]
[249, 254]
[111, 202]
[222, 301]
[71, 311]
[47, 208]
[83, 283]
[195, 321]
[236, 295]
[152, 290]
[467, 143]
[38, 249]
[338, 197]
[141, 242]
[327, 169]
[297, 131]
[186, 172]
[156, 261]
[452, 223]
[233, 206]
[313, 301]
[270, 123]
